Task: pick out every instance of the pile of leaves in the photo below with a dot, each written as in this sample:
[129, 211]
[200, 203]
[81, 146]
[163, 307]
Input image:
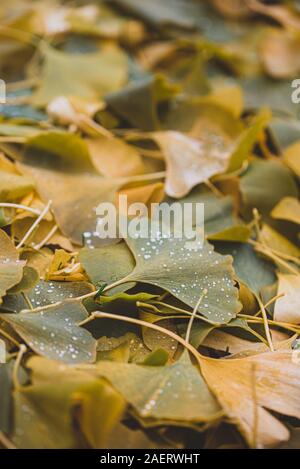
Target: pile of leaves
[138, 343]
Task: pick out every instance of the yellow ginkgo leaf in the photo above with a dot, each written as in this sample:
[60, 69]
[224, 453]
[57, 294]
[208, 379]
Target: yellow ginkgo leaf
[248, 388]
[287, 308]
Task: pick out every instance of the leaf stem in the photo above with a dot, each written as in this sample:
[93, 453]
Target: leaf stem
[21, 207]
[190, 324]
[6, 442]
[15, 378]
[266, 324]
[47, 237]
[35, 224]
[102, 315]
[10, 338]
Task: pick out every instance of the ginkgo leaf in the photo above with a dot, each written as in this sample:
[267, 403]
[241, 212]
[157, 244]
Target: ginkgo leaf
[11, 268]
[157, 392]
[273, 376]
[138, 102]
[115, 158]
[258, 182]
[59, 162]
[13, 186]
[45, 412]
[54, 333]
[277, 242]
[252, 270]
[287, 209]
[45, 293]
[287, 308]
[107, 264]
[86, 76]
[29, 280]
[167, 263]
[191, 161]
[220, 221]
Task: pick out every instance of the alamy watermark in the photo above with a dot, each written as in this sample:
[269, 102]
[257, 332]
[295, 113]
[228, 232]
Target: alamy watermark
[183, 221]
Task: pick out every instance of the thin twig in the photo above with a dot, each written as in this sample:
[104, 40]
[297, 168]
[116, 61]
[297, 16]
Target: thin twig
[102, 315]
[190, 324]
[21, 207]
[15, 378]
[47, 237]
[266, 324]
[79, 298]
[9, 337]
[6, 442]
[34, 225]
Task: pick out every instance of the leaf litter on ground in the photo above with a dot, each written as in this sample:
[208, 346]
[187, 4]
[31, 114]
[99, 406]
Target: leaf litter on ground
[151, 344]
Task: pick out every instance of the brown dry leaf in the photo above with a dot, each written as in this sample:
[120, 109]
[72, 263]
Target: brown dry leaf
[287, 308]
[239, 347]
[189, 161]
[147, 194]
[21, 226]
[115, 158]
[39, 260]
[248, 388]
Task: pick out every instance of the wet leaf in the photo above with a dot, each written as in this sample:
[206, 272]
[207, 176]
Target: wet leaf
[167, 263]
[107, 264]
[54, 333]
[155, 391]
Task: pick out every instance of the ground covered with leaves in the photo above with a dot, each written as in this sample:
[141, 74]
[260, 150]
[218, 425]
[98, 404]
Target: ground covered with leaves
[139, 343]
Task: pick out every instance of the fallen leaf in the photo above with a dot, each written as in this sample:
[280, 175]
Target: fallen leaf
[287, 209]
[165, 262]
[287, 308]
[155, 391]
[273, 375]
[54, 333]
[88, 76]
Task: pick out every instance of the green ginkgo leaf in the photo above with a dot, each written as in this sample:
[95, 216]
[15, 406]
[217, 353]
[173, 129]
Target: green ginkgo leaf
[107, 264]
[250, 268]
[176, 392]
[167, 263]
[86, 76]
[29, 280]
[45, 293]
[54, 333]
